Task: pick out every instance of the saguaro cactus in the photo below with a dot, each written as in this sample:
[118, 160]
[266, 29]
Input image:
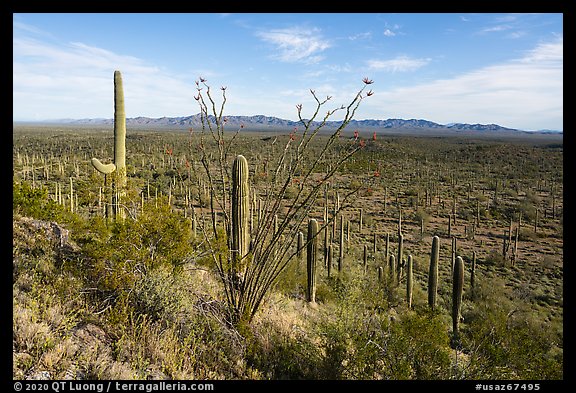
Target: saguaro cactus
[311, 253]
[299, 244]
[400, 256]
[409, 281]
[433, 272]
[240, 208]
[392, 267]
[119, 164]
[473, 270]
[365, 258]
[341, 251]
[457, 288]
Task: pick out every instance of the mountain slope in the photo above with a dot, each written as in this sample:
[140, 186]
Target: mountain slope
[262, 121]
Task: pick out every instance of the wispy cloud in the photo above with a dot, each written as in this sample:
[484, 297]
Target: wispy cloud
[398, 64]
[76, 78]
[524, 93]
[497, 28]
[296, 44]
[360, 36]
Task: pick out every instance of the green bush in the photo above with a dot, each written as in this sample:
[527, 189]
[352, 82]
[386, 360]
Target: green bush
[505, 345]
[118, 256]
[34, 202]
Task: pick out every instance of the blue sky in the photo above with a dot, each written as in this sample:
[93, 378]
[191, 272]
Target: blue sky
[470, 68]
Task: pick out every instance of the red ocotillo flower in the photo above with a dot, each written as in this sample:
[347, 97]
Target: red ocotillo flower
[362, 143]
[367, 81]
[169, 151]
[374, 136]
[356, 135]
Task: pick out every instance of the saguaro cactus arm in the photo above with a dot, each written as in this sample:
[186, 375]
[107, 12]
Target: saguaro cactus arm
[103, 168]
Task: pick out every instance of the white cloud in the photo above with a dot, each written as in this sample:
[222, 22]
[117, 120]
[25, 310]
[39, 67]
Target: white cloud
[75, 80]
[397, 64]
[389, 33]
[296, 44]
[525, 93]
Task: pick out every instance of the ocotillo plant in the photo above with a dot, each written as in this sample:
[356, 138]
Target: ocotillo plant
[118, 167]
[311, 254]
[433, 272]
[409, 281]
[457, 289]
[271, 250]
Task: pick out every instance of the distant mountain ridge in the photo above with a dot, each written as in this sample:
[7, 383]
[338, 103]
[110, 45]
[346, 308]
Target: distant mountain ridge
[271, 122]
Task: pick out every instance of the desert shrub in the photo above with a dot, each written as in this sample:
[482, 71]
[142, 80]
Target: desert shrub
[174, 329]
[34, 202]
[278, 354]
[511, 346]
[421, 214]
[115, 260]
[378, 345]
[495, 258]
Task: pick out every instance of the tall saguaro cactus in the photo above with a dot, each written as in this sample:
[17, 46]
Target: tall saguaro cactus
[311, 254]
[433, 272]
[118, 167]
[409, 280]
[457, 288]
[240, 208]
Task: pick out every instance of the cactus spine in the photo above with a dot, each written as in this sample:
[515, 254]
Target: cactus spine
[312, 246]
[240, 209]
[433, 272]
[119, 164]
[457, 287]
